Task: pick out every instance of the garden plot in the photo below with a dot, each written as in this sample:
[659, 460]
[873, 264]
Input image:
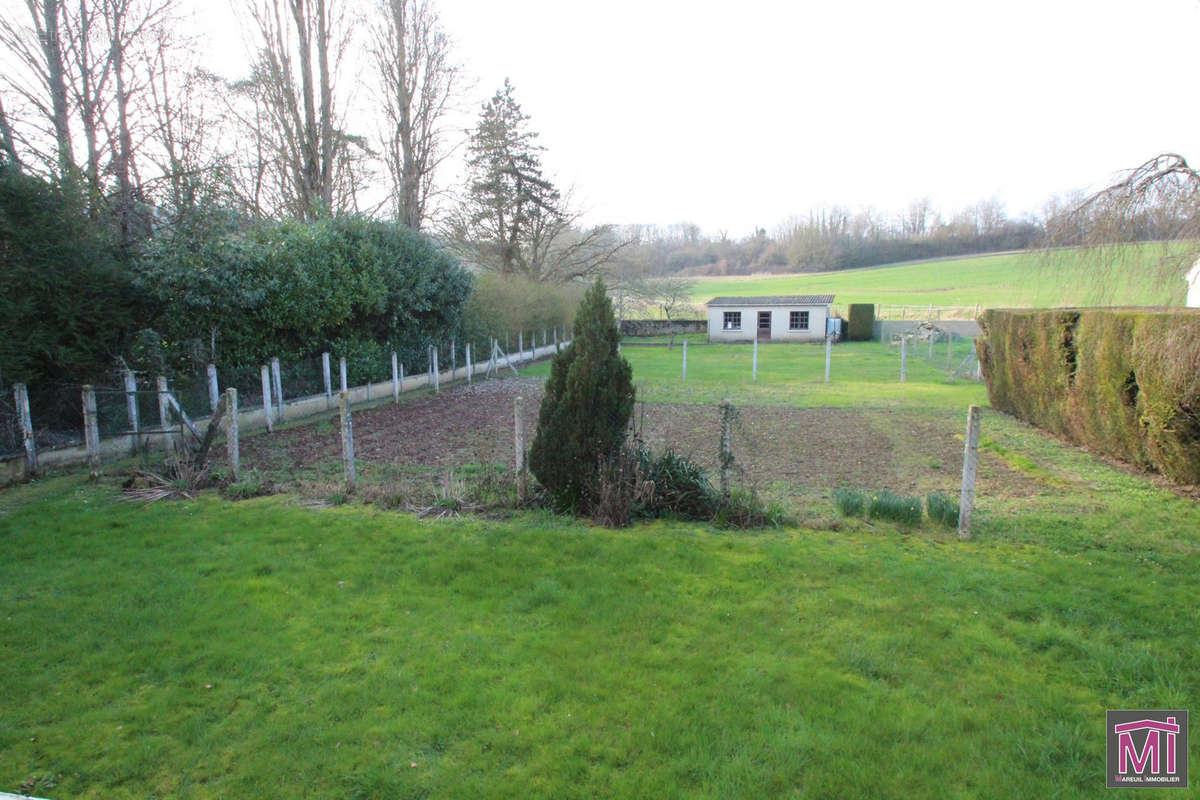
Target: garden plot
[777, 448]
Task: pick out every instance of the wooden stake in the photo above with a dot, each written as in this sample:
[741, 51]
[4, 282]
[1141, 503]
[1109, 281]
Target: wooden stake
[347, 441]
[966, 498]
[519, 446]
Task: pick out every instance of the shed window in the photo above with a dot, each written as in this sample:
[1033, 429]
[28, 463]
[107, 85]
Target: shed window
[733, 321]
[798, 321]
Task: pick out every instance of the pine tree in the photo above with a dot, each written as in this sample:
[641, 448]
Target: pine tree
[587, 405]
[509, 202]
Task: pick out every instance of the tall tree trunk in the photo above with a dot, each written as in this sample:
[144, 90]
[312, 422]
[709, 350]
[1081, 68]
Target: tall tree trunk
[49, 32]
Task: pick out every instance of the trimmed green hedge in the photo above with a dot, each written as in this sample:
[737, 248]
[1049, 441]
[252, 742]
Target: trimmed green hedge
[862, 320]
[1123, 382]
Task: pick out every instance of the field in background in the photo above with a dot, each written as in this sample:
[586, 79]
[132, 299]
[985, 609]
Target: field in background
[283, 647]
[1032, 279]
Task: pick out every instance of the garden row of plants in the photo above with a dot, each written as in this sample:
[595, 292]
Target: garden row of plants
[886, 504]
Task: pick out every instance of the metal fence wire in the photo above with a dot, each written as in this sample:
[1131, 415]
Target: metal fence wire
[942, 349]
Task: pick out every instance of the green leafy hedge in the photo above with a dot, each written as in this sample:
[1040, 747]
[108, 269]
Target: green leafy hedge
[862, 320]
[293, 290]
[1123, 382]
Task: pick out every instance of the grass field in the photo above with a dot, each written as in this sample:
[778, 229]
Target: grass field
[272, 647]
[1019, 279]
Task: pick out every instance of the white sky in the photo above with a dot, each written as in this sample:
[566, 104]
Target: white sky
[736, 115]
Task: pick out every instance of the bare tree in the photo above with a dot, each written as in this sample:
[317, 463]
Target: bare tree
[1158, 200]
[301, 46]
[673, 294]
[417, 83]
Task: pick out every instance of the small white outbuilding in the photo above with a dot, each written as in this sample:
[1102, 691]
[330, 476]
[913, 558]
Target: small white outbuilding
[1193, 282]
[781, 318]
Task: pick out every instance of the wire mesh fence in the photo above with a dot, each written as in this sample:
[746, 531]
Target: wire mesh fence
[941, 348]
[127, 402]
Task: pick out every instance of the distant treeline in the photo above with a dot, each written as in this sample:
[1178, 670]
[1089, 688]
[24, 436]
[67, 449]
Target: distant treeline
[831, 239]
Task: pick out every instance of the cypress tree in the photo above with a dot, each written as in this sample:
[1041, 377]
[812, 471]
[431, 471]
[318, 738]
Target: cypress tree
[587, 405]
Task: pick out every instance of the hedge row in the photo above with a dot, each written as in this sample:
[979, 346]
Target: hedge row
[862, 321]
[1124, 382]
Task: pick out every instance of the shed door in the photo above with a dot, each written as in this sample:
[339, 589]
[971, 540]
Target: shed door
[764, 325]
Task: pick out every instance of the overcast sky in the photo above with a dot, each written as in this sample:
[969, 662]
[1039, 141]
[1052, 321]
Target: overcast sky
[738, 114]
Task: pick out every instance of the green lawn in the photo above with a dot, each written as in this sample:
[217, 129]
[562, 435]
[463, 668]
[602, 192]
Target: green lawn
[268, 648]
[1021, 279]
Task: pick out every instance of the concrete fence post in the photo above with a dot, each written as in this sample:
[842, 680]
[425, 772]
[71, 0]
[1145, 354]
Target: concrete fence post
[469, 367]
[828, 354]
[164, 405]
[436, 378]
[214, 390]
[556, 349]
[327, 375]
[903, 359]
[402, 376]
[266, 395]
[950, 351]
[131, 404]
[966, 498]
[754, 361]
[453, 359]
[685, 359]
[21, 398]
[231, 432]
[519, 447]
[342, 373]
[395, 378]
[347, 441]
[277, 376]
[91, 429]
[520, 346]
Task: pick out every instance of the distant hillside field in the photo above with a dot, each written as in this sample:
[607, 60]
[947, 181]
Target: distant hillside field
[1143, 275]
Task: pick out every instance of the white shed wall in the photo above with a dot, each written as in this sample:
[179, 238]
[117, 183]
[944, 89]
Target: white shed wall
[780, 317]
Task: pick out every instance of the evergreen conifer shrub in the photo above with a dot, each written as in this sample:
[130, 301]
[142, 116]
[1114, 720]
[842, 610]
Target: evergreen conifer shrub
[586, 408]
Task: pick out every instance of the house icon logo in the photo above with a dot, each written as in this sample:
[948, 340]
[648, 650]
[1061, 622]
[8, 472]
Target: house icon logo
[1147, 748]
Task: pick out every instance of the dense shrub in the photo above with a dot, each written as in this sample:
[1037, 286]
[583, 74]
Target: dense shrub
[942, 508]
[68, 307]
[850, 502]
[289, 289]
[886, 504]
[586, 407]
[1124, 382]
[861, 322]
[681, 488]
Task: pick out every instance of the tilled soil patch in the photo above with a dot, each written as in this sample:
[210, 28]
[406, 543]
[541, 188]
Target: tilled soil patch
[818, 447]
